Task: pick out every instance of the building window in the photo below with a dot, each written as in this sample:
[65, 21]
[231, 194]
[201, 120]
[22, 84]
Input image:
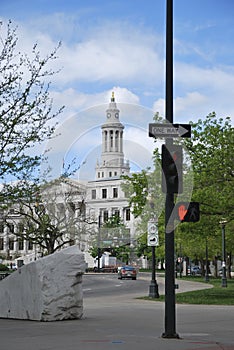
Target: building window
[11, 228]
[116, 213]
[105, 215]
[104, 193]
[110, 173]
[21, 243]
[93, 194]
[98, 175]
[1, 244]
[103, 174]
[11, 243]
[111, 139]
[127, 214]
[115, 173]
[115, 192]
[30, 245]
[21, 228]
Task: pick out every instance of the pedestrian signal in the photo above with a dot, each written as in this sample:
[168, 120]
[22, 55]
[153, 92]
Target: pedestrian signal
[187, 211]
[172, 172]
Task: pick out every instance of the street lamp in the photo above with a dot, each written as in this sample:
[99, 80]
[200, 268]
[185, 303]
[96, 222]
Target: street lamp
[99, 236]
[153, 241]
[224, 277]
[207, 264]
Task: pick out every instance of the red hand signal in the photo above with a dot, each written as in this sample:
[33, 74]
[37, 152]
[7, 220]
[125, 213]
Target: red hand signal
[182, 212]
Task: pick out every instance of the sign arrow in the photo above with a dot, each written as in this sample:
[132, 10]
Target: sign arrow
[182, 130]
[169, 130]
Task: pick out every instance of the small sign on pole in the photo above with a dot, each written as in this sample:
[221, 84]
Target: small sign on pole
[152, 237]
[169, 130]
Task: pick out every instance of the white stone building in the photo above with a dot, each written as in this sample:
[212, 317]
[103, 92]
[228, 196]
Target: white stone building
[103, 196]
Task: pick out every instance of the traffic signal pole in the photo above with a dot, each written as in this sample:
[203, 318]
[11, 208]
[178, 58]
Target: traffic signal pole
[170, 317]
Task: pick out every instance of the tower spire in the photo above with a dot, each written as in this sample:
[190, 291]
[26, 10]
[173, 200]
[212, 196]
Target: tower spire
[112, 158]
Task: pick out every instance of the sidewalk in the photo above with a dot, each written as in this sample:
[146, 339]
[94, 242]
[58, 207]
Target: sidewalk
[124, 324]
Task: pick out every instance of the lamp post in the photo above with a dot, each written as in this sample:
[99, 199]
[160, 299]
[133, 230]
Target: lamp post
[224, 277]
[152, 232]
[99, 236]
[207, 264]
[153, 242]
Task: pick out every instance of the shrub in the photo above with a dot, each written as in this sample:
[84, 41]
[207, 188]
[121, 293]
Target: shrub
[3, 267]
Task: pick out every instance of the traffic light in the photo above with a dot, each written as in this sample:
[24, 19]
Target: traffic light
[172, 169]
[187, 211]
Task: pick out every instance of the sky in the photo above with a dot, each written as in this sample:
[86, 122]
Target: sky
[119, 45]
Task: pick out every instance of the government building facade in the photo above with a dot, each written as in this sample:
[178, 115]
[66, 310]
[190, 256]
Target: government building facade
[102, 197]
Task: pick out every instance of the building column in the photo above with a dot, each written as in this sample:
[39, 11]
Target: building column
[6, 239]
[108, 141]
[121, 142]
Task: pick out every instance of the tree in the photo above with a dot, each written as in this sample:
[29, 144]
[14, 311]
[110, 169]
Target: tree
[52, 217]
[113, 237]
[26, 111]
[146, 200]
[211, 150]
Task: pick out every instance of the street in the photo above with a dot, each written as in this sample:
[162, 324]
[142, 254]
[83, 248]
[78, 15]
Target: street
[107, 284]
[114, 319]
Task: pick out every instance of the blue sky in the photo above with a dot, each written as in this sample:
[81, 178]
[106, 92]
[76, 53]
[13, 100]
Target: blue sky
[119, 45]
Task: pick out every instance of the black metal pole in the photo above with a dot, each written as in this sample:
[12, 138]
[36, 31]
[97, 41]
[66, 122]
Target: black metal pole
[181, 262]
[207, 263]
[224, 276]
[170, 314]
[153, 288]
[170, 319]
[169, 61]
[99, 248]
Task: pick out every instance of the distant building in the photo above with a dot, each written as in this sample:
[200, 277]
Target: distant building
[103, 196]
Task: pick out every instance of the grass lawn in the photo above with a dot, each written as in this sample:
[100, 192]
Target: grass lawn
[213, 296]
[217, 295]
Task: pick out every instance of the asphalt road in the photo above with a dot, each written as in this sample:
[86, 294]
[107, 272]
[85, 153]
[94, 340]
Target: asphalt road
[115, 319]
[105, 284]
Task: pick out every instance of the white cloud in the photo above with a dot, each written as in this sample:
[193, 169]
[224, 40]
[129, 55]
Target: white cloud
[130, 61]
[193, 102]
[109, 55]
[200, 91]
[75, 101]
[112, 51]
[159, 106]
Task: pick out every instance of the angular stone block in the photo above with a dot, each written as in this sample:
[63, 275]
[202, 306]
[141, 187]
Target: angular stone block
[48, 289]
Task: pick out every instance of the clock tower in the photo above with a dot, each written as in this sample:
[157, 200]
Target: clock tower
[112, 162]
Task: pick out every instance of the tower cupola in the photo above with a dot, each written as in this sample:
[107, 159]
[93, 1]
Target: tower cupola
[112, 158]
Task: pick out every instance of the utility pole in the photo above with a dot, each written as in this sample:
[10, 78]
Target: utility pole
[170, 317]
[172, 180]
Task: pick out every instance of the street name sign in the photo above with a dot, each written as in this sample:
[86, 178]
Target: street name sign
[169, 130]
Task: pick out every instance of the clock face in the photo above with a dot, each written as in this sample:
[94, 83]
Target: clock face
[116, 115]
[108, 115]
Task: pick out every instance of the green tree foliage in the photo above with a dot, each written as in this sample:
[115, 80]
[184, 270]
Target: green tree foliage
[146, 201]
[136, 189]
[115, 231]
[210, 150]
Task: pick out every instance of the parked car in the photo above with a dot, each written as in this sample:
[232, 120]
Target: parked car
[195, 270]
[127, 272]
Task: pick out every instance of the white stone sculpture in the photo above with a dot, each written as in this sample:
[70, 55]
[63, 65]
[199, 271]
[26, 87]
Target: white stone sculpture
[49, 289]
